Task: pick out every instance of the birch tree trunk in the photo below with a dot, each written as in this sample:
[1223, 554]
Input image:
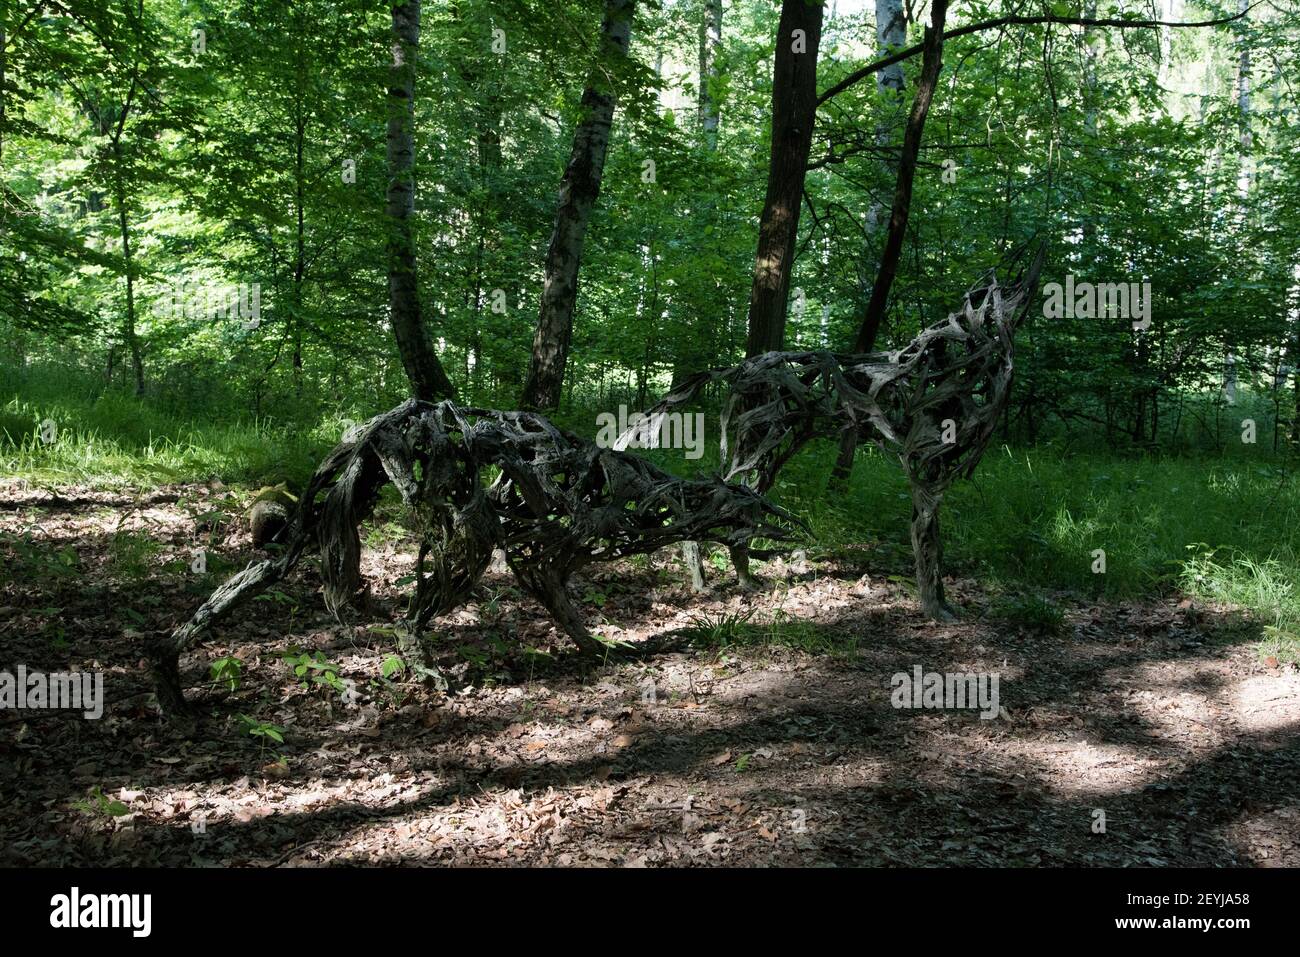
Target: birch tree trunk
[578, 192]
[428, 379]
[1244, 169]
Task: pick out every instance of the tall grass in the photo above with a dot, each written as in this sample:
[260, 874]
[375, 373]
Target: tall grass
[110, 439]
[1218, 528]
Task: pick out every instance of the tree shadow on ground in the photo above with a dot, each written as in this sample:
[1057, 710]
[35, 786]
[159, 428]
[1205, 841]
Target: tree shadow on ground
[809, 746]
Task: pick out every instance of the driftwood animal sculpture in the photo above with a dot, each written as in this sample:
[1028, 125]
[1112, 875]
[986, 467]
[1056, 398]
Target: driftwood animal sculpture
[934, 403]
[558, 503]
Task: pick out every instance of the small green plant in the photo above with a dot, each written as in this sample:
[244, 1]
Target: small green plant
[227, 671]
[385, 533]
[131, 553]
[262, 730]
[476, 657]
[33, 559]
[726, 629]
[392, 665]
[391, 671]
[313, 669]
[490, 610]
[100, 805]
[277, 596]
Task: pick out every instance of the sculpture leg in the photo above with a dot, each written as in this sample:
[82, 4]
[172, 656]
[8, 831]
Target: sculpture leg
[165, 656]
[927, 546]
[547, 585]
[448, 569]
[740, 560]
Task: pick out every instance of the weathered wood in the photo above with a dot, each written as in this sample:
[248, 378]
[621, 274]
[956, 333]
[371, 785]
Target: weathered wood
[558, 504]
[934, 403]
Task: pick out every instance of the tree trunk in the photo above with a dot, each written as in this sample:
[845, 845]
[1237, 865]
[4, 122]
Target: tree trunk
[931, 64]
[1244, 170]
[794, 111]
[687, 359]
[124, 228]
[425, 372]
[578, 192]
[891, 34]
[710, 43]
[4, 98]
[300, 256]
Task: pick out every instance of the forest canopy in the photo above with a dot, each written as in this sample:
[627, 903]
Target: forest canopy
[194, 198]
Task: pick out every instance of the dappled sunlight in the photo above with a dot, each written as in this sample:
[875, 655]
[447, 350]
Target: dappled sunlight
[1266, 702]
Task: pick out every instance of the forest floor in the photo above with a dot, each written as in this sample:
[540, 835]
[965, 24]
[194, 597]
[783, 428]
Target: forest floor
[765, 734]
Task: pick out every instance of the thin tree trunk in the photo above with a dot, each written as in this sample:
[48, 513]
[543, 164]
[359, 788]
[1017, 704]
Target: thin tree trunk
[425, 372]
[1293, 314]
[124, 230]
[710, 43]
[931, 64]
[1244, 170]
[794, 111]
[128, 329]
[4, 97]
[578, 192]
[489, 164]
[300, 258]
[891, 34]
[686, 357]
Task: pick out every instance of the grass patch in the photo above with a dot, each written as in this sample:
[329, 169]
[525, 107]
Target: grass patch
[116, 441]
[1032, 521]
[1266, 588]
[738, 630]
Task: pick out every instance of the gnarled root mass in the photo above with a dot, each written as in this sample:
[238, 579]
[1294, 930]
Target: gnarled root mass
[558, 503]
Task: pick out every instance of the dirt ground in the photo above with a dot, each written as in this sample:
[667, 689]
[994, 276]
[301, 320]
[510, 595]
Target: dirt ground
[1161, 715]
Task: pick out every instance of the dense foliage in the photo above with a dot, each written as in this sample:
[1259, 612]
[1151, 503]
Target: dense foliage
[162, 159]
